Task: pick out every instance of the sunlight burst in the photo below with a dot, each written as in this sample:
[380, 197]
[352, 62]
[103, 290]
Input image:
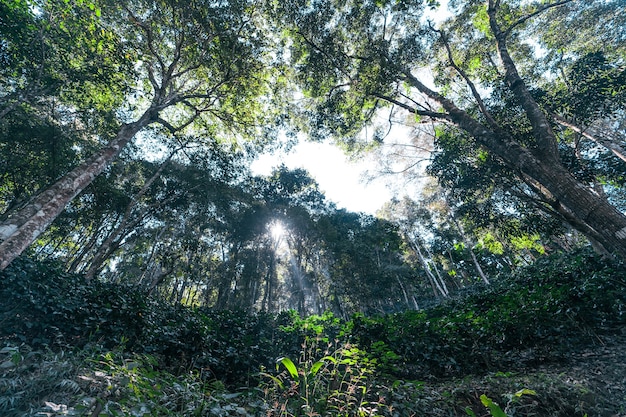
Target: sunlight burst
[277, 230]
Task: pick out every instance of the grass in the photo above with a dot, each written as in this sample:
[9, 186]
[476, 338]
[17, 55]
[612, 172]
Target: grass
[112, 384]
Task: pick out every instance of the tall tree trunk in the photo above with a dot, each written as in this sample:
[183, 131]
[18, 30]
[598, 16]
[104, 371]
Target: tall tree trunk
[85, 249]
[158, 278]
[23, 227]
[435, 283]
[539, 166]
[577, 203]
[267, 304]
[469, 246]
[406, 297]
[149, 262]
[181, 292]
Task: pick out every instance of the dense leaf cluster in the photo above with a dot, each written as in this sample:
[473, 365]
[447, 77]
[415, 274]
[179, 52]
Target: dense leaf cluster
[558, 305]
[48, 307]
[553, 307]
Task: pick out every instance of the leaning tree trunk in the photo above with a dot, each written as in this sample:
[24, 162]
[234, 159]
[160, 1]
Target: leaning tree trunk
[24, 226]
[438, 285]
[540, 167]
[582, 206]
[578, 203]
[470, 246]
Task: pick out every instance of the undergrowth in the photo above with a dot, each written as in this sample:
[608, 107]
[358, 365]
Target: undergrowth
[72, 347]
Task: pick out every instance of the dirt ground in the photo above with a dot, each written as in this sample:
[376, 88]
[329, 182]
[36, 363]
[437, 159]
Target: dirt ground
[601, 369]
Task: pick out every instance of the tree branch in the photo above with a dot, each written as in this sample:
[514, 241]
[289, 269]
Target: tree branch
[427, 113]
[535, 13]
[323, 52]
[149, 36]
[617, 150]
[468, 81]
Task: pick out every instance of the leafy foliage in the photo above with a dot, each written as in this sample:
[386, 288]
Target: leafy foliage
[540, 315]
[334, 384]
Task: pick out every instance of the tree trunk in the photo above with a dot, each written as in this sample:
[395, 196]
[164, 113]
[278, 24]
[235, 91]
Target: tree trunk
[539, 165]
[434, 282]
[149, 263]
[589, 212]
[267, 305]
[80, 257]
[577, 203]
[114, 240]
[406, 297]
[24, 227]
[469, 246]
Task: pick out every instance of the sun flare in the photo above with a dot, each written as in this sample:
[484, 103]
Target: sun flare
[277, 230]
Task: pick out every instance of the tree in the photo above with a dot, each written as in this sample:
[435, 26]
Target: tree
[202, 66]
[61, 75]
[354, 58]
[58, 49]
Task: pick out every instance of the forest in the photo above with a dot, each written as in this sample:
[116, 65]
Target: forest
[146, 270]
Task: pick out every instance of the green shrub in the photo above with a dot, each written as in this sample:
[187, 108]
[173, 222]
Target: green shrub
[336, 384]
[538, 314]
[560, 303]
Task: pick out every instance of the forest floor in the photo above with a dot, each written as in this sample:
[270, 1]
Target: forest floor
[600, 368]
[590, 381]
[551, 342]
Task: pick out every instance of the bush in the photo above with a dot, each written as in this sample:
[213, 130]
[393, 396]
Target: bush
[538, 314]
[560, 303]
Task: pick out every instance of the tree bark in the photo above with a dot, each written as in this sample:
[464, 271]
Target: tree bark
[114, 239]
[434, 282]
[470, 246]
[586, 210]
[24, 227]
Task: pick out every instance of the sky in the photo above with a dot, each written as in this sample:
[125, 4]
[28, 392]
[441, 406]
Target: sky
[339, 179]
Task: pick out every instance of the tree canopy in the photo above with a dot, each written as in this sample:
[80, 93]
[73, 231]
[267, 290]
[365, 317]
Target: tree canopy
[198, 65]
[126, 133]
[146, 269]
[354, 59]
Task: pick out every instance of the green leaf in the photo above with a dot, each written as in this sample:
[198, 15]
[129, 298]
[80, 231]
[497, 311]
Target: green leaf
[481, 21]
[317, 365]
[277, 381]
[494, 408]
[525, 391]
[291, 368]
[469, 412]
[474, 63]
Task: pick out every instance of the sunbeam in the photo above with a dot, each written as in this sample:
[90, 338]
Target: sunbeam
[277, 230]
